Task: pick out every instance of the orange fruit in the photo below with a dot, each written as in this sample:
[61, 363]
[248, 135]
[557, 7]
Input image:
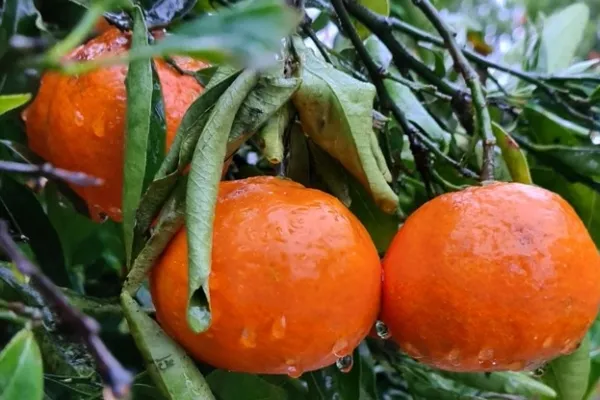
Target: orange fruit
[295, 281]
[499, 277]
[78, 122]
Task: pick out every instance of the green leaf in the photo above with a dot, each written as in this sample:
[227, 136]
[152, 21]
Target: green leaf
[21, 368]
[181, 151]
[562, 34]
[595, 96]
[145, 133]
[569, 374]
[170, 220]
[513, 155]
[503, 382]
[549, 128]
[584, 200]
[203, 186]
[248, 33]
[336, 113]
[11, 101]
[235, 386]
[21, 207]
[170, 367]
[164, 12]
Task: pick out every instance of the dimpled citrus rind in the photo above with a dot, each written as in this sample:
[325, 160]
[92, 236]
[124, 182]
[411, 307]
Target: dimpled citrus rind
[78, 122]
[295, 281]
[499, 277]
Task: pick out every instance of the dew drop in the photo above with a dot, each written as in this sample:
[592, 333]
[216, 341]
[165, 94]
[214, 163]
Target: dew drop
[547, 342]
[98, 128]
[278, 328]
[382, 330]
[454, 357]
[340, 348]
[248, 338]
[344, 364]
[485, 355]
[292, 370]
[540, 371]
[595, 138]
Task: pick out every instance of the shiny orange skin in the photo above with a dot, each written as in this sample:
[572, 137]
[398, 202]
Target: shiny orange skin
[295, 281]
[499, 277]
[78, 122]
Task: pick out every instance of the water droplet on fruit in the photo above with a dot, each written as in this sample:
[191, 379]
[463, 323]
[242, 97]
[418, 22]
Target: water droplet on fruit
[454, 357]
[248, 338]
[292, 370]
[78, 118]
[340, 348]
[278, 328]
[344, 364]
[486, 355]
[548, 342]
[382, 330]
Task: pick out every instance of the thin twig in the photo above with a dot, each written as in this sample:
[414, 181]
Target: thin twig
[375, 73]
[48, 171]
[308, 31]
[87, 329]
[483, 121]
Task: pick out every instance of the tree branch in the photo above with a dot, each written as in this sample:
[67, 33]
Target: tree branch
[534, 79]
[416, 139]
[48, 171]
[483, 121]
[87, 329]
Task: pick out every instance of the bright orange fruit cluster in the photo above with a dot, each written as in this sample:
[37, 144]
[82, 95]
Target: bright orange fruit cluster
[503, 276]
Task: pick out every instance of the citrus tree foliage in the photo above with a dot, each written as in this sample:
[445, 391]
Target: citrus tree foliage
[381, 115]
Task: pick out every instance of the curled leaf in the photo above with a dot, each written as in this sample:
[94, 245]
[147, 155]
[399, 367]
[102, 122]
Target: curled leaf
[336, 113]
[270, 137]
[203, 186]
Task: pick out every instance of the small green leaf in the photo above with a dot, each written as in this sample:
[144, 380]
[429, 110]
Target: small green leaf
[145, 133]
[270, 137]
[169, 366]
[203, 186]
[336, 113]
[235, 386]
[21, 371]
[503, 382]
[513, 155]
[11, 101]
[569, 374]
[563, 30]
[19, 205]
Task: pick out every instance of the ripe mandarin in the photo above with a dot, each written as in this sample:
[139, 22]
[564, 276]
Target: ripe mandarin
[499, 277]
[78, 122]
[295, 281]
